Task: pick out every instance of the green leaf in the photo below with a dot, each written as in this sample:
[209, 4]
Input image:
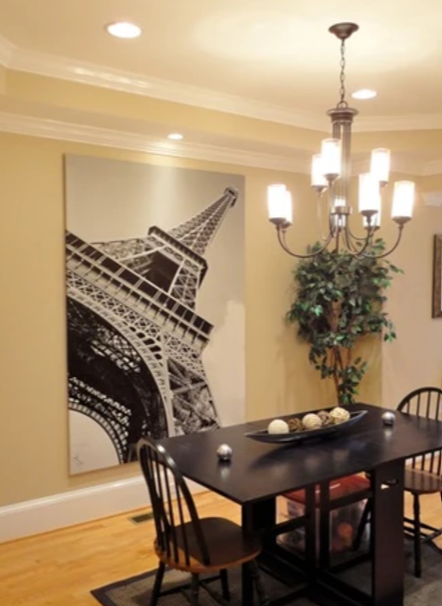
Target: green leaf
[337, 300]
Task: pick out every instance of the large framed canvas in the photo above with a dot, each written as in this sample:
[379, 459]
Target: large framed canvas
[436, 303]
[155, 310]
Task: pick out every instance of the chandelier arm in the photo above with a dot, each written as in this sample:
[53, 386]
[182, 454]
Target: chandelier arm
[350, 240]
[358, 238]
[367, 241]
[393, 248]
[281, 231]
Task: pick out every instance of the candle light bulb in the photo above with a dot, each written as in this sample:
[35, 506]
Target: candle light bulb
[331, 158]
[279, 203]
[369, 194]
[403, 200]
[319, 182]
[380, 165]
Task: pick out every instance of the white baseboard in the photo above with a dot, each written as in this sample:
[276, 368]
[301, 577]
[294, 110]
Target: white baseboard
[74, 507]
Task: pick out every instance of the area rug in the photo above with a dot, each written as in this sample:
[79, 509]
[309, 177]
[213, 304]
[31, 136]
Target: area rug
[136, 591]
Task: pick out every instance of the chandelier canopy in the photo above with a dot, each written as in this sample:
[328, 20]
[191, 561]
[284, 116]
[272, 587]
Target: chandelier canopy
[331, 173]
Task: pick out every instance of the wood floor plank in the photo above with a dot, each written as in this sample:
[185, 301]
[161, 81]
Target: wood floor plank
[61, 567]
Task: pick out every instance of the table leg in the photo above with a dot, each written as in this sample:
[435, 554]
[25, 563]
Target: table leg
[324, 526]
[387, 535]
[255, 517]
[310, 533]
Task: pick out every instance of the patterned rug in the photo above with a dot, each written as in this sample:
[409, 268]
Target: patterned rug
[136, 591]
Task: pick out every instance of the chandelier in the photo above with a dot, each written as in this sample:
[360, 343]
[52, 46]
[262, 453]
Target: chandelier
[331, 173]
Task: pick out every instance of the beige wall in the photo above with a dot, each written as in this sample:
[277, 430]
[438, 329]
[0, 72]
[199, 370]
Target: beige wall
[33, 428]
[415, 358]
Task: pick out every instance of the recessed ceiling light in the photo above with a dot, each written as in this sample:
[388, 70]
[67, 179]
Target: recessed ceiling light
[364, 93]
[175, 136]
[123, 29]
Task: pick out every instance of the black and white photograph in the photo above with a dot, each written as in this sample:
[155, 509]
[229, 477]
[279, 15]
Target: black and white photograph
[155, 305]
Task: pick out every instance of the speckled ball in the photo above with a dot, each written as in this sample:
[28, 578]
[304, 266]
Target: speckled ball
[325, 417]
[339, 414]
[311, 421]
[278, 426]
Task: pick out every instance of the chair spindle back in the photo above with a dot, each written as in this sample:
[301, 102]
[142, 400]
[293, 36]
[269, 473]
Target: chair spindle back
[172, 504]
[425, 402]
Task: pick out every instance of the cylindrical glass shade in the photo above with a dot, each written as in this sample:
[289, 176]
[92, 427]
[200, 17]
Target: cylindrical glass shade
[318, 179]
[331, 158]
[289, 208]
[380, 164]
[369, 194]
[403, 200]
[339, 220]
[279, 203]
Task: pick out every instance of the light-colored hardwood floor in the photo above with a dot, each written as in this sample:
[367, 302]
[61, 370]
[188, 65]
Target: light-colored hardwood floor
[61, 567]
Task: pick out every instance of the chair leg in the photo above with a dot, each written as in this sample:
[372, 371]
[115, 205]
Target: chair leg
[256, 578]
[417, 537]
[157, 585]
[362, 524]
[225, 584]
[194, 589]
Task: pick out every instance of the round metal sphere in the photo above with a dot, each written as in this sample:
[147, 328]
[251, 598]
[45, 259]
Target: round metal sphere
[388, 418]
[224, 452]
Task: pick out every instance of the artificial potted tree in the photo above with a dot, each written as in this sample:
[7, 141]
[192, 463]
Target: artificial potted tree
[339, 298]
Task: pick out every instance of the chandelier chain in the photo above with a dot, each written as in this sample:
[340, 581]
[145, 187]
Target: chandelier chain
[342, 91]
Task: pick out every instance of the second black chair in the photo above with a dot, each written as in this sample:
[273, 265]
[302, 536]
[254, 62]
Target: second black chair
[422, 474]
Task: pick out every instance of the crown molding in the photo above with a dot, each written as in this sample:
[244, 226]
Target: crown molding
[398, 123]
[432, 198]
[138, 84]
[79, 133]
[62, 68]
[434, 167]
[92, 135]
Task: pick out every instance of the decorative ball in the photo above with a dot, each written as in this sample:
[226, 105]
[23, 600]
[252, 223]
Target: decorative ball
[311, 421]
[339, 414]
[326, 418]
[388, 418]
[295, 424]
[278, 426]
[224, 452]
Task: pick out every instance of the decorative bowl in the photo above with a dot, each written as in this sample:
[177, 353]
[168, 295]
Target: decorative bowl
[297, 436]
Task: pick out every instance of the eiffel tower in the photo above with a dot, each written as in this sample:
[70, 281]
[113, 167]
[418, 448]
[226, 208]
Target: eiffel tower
[134, 339]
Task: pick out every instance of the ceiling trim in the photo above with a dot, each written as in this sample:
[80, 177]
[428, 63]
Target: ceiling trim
[434, 167]
[92, 135]
[20, 59]
[78, 133]
[432, 198]
[166, 90]
[398, 123]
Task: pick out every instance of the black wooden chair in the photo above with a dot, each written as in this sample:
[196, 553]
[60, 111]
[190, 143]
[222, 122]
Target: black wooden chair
[422, 474]
[186, 542]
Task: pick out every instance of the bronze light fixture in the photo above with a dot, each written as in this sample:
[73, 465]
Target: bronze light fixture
[331, 173]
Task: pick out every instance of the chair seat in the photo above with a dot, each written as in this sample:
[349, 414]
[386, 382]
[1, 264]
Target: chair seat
[227, 543]
[422, 482]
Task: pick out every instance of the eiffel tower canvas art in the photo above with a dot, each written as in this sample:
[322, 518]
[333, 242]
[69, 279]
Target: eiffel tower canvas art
[155, 318]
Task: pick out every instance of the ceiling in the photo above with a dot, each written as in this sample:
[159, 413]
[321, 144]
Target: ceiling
[273, 63]
[278, 53]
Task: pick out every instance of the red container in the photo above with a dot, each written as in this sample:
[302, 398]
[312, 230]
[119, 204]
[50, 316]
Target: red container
[344, 521]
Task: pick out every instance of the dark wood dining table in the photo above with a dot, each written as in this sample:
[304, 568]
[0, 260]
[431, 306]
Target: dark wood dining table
[258, 473]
